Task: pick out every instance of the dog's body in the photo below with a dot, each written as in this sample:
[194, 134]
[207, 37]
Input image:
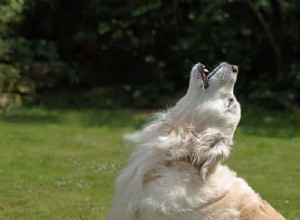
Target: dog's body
[176, 171]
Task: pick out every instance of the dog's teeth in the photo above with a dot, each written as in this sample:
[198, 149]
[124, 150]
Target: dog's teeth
[206, 70]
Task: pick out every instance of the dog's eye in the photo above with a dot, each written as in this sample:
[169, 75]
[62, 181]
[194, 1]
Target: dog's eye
[230, 102]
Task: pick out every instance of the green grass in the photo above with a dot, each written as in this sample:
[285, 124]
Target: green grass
[59, 164]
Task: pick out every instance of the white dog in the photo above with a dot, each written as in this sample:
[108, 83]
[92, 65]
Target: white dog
[176, 172]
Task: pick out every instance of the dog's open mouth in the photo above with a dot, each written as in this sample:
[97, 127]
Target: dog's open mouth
[202, 73]
[205, 75]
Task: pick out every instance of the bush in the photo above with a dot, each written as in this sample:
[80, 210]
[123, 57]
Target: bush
[145, 49]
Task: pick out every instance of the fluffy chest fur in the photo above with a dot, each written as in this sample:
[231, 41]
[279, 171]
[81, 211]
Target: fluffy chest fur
[178, 192]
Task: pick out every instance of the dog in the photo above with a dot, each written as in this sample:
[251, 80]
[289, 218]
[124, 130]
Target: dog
[176, 172]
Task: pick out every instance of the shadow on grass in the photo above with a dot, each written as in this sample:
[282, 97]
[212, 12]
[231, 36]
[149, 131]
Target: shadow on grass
[254, 121]
[114, 119]
[85, 118]
[32, 116]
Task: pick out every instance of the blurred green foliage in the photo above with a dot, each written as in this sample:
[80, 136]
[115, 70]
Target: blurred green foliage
[9, 71]
[137, 53]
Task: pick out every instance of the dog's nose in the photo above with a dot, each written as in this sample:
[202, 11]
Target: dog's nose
[234, 68]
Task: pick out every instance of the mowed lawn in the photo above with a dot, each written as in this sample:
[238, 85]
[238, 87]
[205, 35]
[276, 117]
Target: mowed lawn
[61, 164]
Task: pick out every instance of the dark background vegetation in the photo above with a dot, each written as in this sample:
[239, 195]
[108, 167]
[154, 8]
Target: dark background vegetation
[134, 53]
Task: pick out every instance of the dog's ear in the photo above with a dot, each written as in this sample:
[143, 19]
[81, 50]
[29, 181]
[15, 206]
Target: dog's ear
[210, 148]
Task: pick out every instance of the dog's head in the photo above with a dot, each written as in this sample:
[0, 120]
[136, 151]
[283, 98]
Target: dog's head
[210, 101]
[211, 110]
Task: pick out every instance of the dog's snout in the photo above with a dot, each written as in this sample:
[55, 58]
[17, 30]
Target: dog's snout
[234, 68]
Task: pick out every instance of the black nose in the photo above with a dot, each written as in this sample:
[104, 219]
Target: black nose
[234, 68]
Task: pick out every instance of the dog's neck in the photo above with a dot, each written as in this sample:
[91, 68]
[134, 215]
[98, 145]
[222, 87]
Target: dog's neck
[203, 150]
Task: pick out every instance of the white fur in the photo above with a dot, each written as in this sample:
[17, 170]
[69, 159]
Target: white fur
[176, 171]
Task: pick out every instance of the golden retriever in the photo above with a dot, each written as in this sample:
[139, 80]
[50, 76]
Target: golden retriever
[176, 171]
